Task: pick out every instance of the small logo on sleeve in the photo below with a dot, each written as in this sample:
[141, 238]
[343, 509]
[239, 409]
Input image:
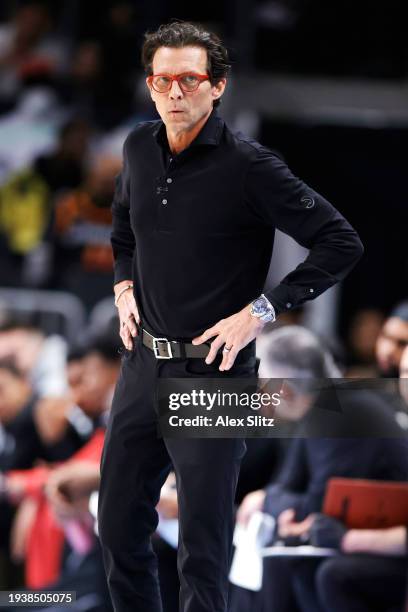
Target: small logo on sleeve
[307, 202]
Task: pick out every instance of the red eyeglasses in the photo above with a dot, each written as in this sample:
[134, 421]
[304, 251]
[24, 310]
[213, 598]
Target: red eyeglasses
[187, 81]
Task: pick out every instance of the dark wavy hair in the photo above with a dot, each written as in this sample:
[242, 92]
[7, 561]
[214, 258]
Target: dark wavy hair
[179, 34]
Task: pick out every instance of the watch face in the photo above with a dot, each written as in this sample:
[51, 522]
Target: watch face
[259, 307]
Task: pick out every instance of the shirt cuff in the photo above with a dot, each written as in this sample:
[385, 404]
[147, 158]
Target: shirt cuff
[122, 271]
[281, 298]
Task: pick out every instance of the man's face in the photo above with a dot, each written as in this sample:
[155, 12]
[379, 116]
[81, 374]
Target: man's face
[390, 345]
[181, 111]
[91, 387]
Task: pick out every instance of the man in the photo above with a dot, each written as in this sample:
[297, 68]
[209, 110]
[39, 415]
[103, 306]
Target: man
[345, 430]
[356, 437]
[193, 224]
[392, 341]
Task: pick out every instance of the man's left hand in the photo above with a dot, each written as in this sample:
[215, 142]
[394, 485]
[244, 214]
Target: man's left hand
[235, 333]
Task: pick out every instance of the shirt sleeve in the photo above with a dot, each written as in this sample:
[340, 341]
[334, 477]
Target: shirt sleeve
[122, 236]
[283, 201]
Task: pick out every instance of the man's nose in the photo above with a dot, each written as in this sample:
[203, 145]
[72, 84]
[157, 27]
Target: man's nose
[175, 91]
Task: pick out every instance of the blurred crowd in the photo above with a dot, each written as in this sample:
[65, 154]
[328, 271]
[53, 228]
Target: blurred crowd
[66, 104]
[54, 405]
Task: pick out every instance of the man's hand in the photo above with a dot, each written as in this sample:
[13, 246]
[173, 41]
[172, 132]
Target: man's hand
[253, 502]
[50, 417]
[289, 528]
[73, 480]
[235, 332]
[168, 504]
[69, 485]
[128, 313]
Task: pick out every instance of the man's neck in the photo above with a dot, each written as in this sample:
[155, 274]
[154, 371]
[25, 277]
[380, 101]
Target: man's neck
[180, 140]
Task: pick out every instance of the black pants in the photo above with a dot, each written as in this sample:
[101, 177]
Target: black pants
[135, 464]
[351, 583]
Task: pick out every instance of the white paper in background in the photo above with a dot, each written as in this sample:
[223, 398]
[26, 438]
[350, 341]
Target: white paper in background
[93, 509]
[299, 551]
[168, 530]
[247, 564]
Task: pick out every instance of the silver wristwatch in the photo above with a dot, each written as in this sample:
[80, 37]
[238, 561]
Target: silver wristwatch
[262, 309]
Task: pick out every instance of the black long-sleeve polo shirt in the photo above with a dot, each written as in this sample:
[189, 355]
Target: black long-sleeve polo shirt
[195, 231]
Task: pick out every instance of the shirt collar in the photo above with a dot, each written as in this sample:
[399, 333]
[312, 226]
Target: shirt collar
[210, 133]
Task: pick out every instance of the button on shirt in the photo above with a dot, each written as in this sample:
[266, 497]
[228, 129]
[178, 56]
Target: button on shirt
[195, 231]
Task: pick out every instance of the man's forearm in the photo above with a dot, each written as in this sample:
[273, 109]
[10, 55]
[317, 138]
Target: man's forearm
[392, 541]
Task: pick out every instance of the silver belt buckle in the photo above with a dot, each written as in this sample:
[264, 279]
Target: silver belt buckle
[156, 348]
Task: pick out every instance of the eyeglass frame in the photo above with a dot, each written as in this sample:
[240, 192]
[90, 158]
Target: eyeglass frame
[177, 77]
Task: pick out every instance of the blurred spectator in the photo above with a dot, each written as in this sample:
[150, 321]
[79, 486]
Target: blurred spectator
[392, 341]
[370, 573]
[20, 446]
[354, 448]
[24, 215]
[42, 358]
[54, 418]
[96, 62]
[20, 443]
[112, 57]
[26, 206]
[67, 422]
[42, 523]
[28, 51]
[82, 228]
[365, 327]
[64, 168]
[31, 129]
[295, 353]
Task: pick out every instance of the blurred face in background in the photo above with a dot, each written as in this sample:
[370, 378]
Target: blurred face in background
[391, 342]
[32, 21]
[364, 330]
[181, 111]
[22, 346]
[93, 382]
[293, 406]
[74, 141]
[14, 394]
[87, 65]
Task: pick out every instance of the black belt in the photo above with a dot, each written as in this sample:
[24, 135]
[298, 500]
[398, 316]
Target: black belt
[169, 349]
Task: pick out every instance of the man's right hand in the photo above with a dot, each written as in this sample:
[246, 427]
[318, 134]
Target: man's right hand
[128, 313]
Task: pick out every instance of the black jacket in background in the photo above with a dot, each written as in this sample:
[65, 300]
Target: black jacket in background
[352, 448]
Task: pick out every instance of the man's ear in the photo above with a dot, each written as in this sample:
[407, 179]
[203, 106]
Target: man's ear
[218, 89]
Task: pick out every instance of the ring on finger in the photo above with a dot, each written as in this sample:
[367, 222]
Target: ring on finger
[227, 349]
